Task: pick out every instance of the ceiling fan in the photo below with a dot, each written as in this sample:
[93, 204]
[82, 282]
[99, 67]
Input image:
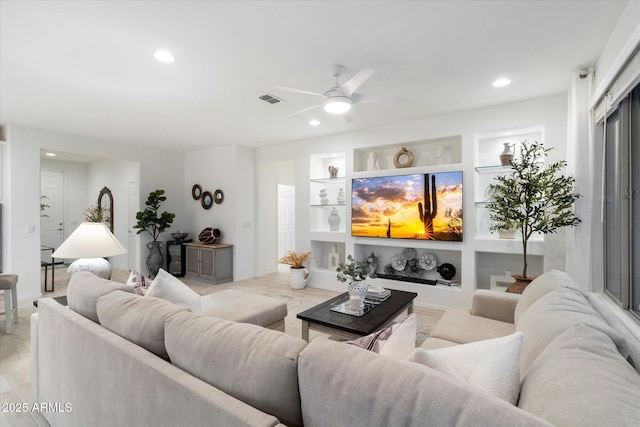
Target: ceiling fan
[340, 97]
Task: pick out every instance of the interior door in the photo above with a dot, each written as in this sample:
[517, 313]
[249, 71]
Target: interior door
[286, 219]
[51, 210]
[133, 237]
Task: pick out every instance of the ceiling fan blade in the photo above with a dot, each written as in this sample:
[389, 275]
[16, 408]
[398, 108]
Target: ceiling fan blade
[359, 98]
[306, 92]
[304, 110]
[356, 81]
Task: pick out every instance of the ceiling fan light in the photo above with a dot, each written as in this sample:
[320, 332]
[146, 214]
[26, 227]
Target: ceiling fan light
[337, 105]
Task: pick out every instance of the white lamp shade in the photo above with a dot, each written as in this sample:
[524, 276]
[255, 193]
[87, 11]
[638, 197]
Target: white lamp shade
[90, 240]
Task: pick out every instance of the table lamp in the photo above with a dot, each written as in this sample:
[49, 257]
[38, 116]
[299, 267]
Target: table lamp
[90, 242]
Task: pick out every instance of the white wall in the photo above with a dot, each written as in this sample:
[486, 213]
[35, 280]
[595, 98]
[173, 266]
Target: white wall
[550, 112]
[274, 165]
[115, 175]
[622, 42]
[230, 169]
[158, 169]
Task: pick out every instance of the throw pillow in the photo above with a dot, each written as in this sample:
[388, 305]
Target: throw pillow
[139, 282]
[491, 365]
[167, 287]
[396, 341]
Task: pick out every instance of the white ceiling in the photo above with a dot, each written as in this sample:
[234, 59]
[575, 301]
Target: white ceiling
[87, 67]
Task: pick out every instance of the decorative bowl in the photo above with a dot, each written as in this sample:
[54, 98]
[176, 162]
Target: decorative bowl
[179, 236]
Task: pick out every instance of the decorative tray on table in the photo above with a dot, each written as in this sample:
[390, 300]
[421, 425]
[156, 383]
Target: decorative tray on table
[342, 306]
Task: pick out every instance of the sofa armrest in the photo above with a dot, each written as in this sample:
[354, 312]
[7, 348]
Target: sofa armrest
[494, 305]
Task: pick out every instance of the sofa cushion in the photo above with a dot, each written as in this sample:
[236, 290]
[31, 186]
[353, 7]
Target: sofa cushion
[543, 284]
[244, 307]
[459, 325]
[85, 288]
[580, 379]
[137, 319]
[435, 343]
[396, 341]
[341, 385]
[554, 313]
[170, 288]
[491, 365]
[254, 364]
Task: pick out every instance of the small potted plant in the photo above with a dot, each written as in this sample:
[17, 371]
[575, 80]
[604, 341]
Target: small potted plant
[299, 273]
[355, 273]
[154, 223]
[532, 198]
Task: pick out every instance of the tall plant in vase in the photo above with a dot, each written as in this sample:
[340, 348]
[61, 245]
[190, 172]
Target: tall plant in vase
[532, 198]
[154, 223]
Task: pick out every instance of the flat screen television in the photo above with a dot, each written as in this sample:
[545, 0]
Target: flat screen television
[419, 206]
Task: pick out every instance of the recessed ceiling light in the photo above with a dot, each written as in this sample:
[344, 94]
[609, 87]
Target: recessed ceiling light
[50, 154]
[314, 122]
[509, 132]
[164, 56]
[501, 82]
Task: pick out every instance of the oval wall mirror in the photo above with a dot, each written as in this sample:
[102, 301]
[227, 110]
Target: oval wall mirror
[105, 205]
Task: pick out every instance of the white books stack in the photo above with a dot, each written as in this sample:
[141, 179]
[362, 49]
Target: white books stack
[447, 282]
[378, 293]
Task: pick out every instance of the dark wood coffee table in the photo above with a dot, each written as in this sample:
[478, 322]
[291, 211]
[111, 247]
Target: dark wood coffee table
[321, 318]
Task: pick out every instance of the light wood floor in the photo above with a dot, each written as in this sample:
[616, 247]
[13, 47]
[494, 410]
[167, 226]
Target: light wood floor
[15, 356]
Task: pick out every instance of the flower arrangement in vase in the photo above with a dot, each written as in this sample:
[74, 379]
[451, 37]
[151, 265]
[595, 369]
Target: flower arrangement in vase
[355, 273]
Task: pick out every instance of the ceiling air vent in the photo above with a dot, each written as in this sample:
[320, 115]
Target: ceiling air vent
[270, 99]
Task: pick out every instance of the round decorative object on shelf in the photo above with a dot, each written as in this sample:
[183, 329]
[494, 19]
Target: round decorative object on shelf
[428, 261]
[207, 200]
[209, 235]
[409, 254]
[196, 192]
[403, 158]
[447, 271]
[398, 262]
[218, 196]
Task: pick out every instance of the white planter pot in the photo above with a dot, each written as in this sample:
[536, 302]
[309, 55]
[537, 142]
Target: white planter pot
[298, 277]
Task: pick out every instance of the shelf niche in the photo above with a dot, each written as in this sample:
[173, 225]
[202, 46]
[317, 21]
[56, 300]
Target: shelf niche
[321, 255]
[488, 264]
[430, 152]
[386, 253]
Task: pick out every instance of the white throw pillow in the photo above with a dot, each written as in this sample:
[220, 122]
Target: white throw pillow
[396, 341]
[167, 287]
[491, 365]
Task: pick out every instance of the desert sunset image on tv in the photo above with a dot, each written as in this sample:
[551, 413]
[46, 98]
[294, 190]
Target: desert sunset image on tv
[421, 206]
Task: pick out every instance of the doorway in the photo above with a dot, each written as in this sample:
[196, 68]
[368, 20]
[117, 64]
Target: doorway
[51, 210]
[286, 221]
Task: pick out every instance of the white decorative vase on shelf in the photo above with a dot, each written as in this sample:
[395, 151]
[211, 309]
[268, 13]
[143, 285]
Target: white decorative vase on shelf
[340, 198]
[507, 154]
[298, 277]
[357, 292]
[334, 258]
[324, 198]
[334, 220]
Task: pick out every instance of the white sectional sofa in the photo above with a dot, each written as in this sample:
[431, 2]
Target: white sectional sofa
[147, 362]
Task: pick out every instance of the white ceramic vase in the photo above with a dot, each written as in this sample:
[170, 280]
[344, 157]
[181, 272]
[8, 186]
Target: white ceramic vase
[298, 277]
[357, 292]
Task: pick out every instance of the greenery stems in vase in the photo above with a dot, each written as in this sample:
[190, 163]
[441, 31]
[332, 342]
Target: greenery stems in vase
[532, 198]
[150, 220]
[355, 271]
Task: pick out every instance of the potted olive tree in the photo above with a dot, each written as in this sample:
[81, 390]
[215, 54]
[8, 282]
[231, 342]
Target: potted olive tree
[154, 223]
[532, 198]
